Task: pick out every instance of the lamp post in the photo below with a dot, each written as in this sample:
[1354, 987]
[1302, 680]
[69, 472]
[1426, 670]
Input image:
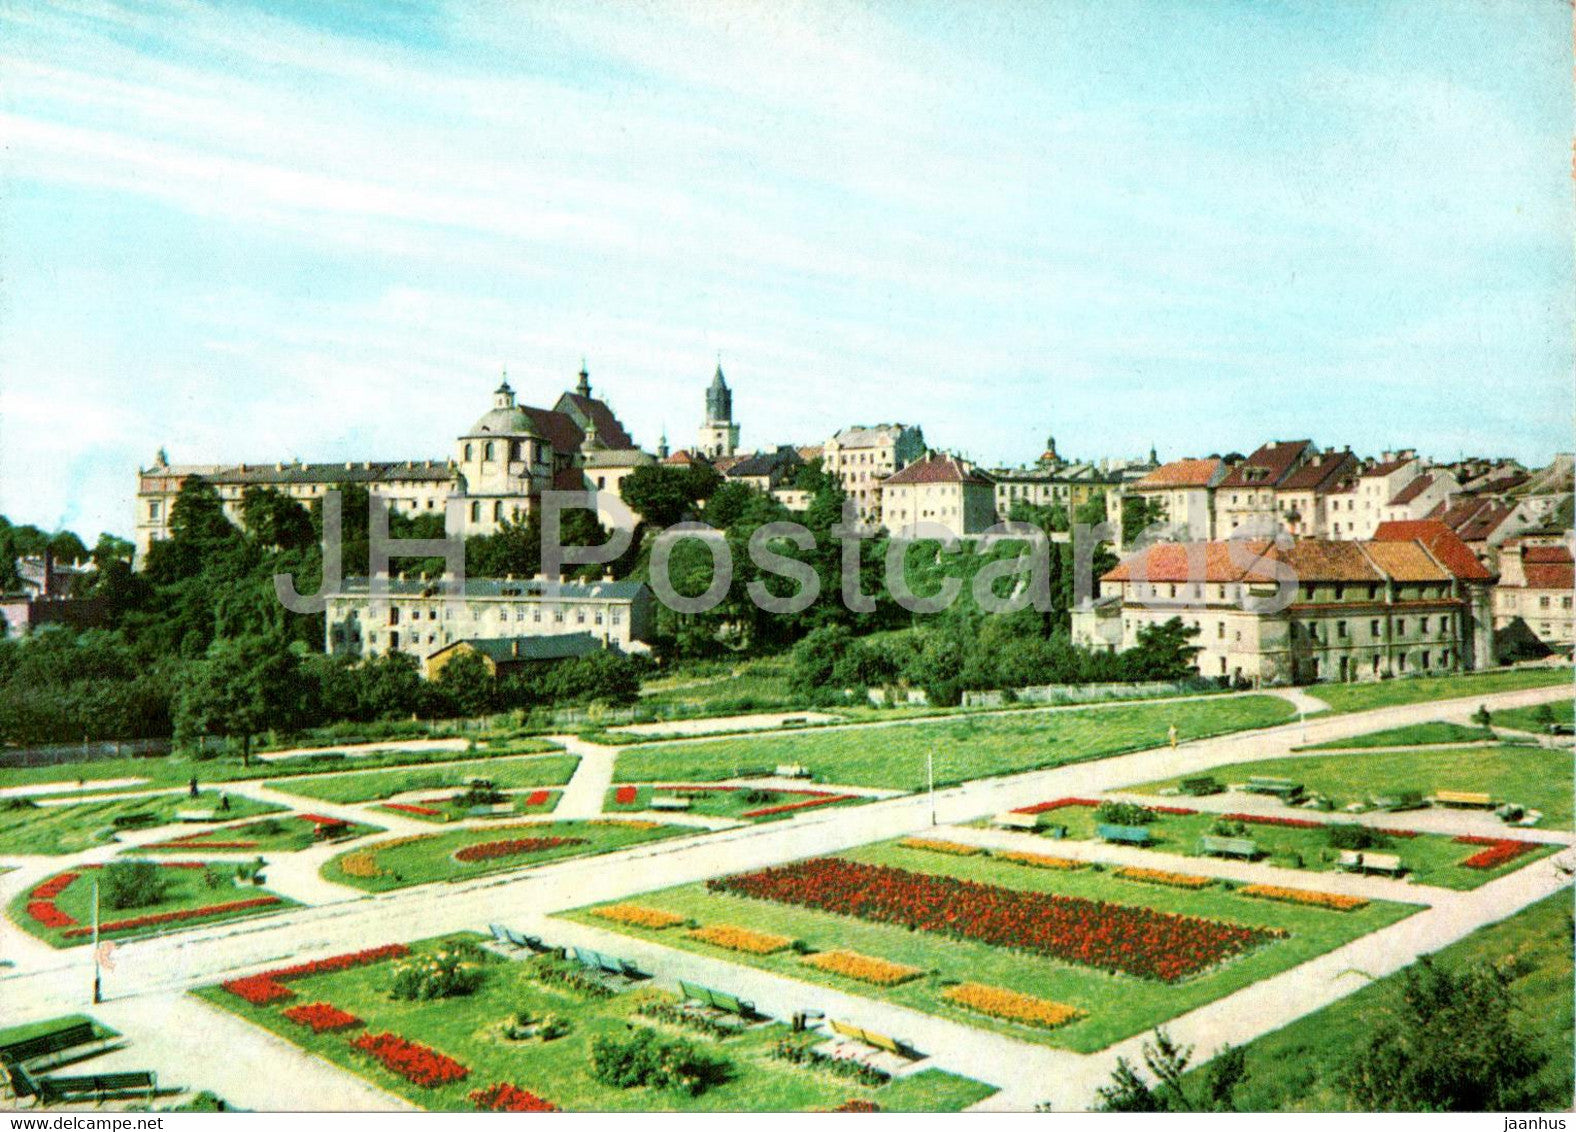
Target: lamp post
[98, 989]
[930, 773]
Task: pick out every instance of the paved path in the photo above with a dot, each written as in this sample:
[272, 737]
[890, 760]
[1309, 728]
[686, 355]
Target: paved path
[587, 789]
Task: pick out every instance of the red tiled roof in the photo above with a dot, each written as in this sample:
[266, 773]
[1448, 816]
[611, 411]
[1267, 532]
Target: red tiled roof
[1320, 474]
[1485, 522]
[1268, 465]
[1440, 541]
[558, 428]
[1220, 561]
[1545, 554]
[1406, 561]
[1550, 575]
[1412, 490]
[1321, 560]
[609, 430]
[1385, 468]
[936, 468]
[1182, 473]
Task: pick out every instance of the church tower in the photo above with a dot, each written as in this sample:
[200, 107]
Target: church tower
[719, 435]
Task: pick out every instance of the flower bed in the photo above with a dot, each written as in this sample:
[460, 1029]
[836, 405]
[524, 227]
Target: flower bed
[44, 912]
[1404, 834]
[937, 845]
[268, 986]
[787, 807]
[639, 916]
[418, 1064]
[741, 939]
[1174, 811]
[1496, 852]
[322, 1017]
[1041, 861]
[186, 843]
[999, 1002]
[865, 968]
[1160, 876]
[1265, 819]
[627, 823]
[536, 798]
[504, 1097]
[1131, 940]
[413, 808]
[1333, 900]
[362, 863]
[491, 850]
[54, 886]
[153, 919]
[321, 819]
[1057, 804]
[626, 795]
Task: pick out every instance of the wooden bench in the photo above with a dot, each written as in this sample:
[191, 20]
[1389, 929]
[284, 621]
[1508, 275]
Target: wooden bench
[792, 770]
[1014, 820]
[99, 1086]
[48, 1047]
[1201, 785]
[1127, 834]
[1362, 861]
[1463, 798]
[140, 820]
[717, 1000]
[872, 1038]
[668, 802]
[1211, 845]
[1283, 788]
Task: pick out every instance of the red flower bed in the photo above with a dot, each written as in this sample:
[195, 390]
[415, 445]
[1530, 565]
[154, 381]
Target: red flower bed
[504, 1097]
[1174, 811]
[268, 986]
[412, 808]
[785, 807]
[537, 798]
[1404, 834]
[54, 886]
[625, 795]
[418, 1064]
[1497, 851]
[1264, 819]
[188, 843]
[1131, 940]
[44, 912]
[322, 1016]
[488, 850]
[319, 819]
[1059, 803]
[179, 916]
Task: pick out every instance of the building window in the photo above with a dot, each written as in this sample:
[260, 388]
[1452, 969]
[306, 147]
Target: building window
[476, 512]
[1425, 658]
[153, 509]
[467, 452]
[1340, 628]
[487, 451]
[1424, 629]
[1373, 627]
[1400, 627]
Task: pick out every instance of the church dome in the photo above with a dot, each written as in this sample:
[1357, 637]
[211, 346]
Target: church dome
[512, 421]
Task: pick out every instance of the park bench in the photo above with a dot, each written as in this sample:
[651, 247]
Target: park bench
[668, 802]
[792, 770]
[1282, 788]
[99, 1086]
[1463, 798]
[1127, 834]
[516, 940]
[49, 1047]
[794, 721]
[1203, 784]
[1211, 845]
[874, 1038]
[1356, 861]
[608, 964]
[140, 820]
[1014, 820]
[718, 1000]
[195, 815]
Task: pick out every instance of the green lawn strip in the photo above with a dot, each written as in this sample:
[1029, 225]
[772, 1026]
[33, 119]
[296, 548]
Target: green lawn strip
[368, 786]
[1533, 777]
[1413, 735]
[1423, 689]
[471, 1030]
[1116, 1006]
[187, 889]
[726, 803]
[75, 826]
[286, 834]
[12, 1034]
[964, 748]
[1535, 719]
[430, 857]
[1433, 859]
[451, 809]
[1295, 1069]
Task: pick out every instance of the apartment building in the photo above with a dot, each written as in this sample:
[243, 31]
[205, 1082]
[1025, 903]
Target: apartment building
[1184, 492]
[861, 457]
[1536, 585]
[942, 490]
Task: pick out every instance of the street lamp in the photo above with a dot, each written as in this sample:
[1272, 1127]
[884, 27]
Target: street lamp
[930, 773]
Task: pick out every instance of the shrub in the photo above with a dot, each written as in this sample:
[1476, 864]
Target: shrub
[1355, 837]
[1124, 813]
[663, 1011]
[798, 1052]
[646, 1059]
[571, 977]
[132, 884]
[455, 970]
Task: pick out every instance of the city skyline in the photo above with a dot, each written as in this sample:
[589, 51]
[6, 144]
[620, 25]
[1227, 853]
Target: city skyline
[997, 226]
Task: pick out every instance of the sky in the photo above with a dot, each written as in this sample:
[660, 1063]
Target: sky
[258, 232]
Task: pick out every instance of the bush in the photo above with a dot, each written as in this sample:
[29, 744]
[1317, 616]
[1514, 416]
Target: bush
[132, 884]
[455, 970]
[647, 1059]
[1356, 837]
[804, 1054]
[1124, 813]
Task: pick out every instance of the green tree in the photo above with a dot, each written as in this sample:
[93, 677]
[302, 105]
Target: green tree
[1167, 1062]
[466, 685]
[276, 520]
[238, 688]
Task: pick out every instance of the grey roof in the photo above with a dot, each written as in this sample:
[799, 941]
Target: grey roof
[617, 458]
[765, 463]
[869, 436]
[513, 421]
[497, 587]
[555, 646]
[351, 471]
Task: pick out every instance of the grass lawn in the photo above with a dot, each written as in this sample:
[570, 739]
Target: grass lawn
[1429, 858]
[188, 888]
[1295, 1069]
[10, 1034]
[1534, 777]
[431, 856]
[71, 827]
[372, 785]
[1421, 689]
[1413, 735]
[286, 834]
[1535, 719]
[471, 1030]
[964, 747]
[723, 802]
[445, 810]
[1116, 1006]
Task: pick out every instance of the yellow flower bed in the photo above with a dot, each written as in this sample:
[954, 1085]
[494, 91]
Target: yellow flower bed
[999, 1002]
[865, 968]
[936, 845]
[1040, 861]
[1160, 876]
[627, 823]
[1333, 900]
[637, 915]
[360, 864]
[741, 939]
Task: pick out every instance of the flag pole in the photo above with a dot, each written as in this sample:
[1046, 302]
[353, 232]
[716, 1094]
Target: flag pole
[98, 990]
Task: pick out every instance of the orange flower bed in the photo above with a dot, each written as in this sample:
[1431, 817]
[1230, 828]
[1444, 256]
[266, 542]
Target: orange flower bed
[1160, 876]
[360, 864]
[741, 939]
[865, 968]
[627, 823]
[1041, 861]
[998, 1002]
[638, 915]
[1333, 900]
[936, 845]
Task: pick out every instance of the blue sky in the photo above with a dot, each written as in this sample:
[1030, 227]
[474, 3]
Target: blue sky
[259, 232]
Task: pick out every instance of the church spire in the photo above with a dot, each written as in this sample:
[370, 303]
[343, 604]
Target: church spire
[583, 386]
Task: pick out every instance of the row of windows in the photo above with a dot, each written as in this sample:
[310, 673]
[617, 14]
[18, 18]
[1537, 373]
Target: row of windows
[514, 449]
[501, 614]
